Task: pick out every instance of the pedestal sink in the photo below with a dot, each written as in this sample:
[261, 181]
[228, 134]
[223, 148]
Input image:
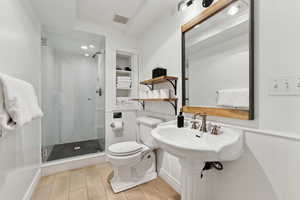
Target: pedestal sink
[194, 148]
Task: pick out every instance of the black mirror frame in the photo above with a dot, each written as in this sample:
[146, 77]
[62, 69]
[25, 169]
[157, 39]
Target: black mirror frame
[230, 113]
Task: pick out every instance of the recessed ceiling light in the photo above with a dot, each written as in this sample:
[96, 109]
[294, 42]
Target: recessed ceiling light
[86, 55]
[233, 10]
[91, 46]
[84, 47]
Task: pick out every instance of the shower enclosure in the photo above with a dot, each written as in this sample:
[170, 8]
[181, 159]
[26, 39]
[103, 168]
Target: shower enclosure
[73, 95]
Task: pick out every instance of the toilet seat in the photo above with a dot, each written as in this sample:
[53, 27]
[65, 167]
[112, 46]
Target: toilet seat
[125, 148]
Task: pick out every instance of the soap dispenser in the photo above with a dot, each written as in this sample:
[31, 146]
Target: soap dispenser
[180, 120]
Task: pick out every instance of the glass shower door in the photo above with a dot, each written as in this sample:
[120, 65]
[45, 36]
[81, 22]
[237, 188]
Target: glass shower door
[73, 96]
[78, 96]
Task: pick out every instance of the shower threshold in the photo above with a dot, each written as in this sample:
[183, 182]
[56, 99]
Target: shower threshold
[67, 150]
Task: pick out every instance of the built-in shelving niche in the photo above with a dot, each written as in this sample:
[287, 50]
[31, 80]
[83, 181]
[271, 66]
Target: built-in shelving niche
[126, 79]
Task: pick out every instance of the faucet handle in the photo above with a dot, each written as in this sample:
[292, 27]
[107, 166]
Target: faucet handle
[215, 130]
[195, 124]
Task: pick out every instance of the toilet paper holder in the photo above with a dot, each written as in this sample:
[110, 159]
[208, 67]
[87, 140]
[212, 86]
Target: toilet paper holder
[112, 125]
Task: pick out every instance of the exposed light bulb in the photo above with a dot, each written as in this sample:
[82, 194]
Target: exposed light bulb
[86, 55]
[184, 4]
[84, 47]
[233, 10]
[197, 26]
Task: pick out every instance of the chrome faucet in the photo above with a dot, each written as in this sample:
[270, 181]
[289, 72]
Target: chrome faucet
[203, 124]
[203, 127]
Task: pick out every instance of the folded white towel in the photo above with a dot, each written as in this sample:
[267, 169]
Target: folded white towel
[18, 102]
[123, 77]
[236, 98]
[123, 81]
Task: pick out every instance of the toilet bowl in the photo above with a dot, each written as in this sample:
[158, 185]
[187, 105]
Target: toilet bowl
[134, 162]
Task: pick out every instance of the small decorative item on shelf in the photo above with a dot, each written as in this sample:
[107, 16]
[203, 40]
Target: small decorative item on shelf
[156, 94]
[150, 94]
[157, 72]
[127, 69]
[164, 93]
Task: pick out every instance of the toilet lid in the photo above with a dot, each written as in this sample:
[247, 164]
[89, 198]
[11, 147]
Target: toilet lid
[125, 148]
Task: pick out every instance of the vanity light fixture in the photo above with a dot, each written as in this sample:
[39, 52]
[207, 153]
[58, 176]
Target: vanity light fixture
[84, 47]
[233, 10]
[184, 4]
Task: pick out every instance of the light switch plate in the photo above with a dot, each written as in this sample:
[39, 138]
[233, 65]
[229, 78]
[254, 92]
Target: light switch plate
[284, 85]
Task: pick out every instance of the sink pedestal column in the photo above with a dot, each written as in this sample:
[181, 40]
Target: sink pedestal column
[193, 187]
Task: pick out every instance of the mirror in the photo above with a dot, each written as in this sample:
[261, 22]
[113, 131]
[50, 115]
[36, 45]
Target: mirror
[218, 61]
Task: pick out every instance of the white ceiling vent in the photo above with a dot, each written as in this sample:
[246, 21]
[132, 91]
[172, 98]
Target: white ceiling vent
[121, 19]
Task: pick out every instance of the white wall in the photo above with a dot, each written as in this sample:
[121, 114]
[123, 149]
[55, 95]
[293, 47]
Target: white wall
[268, 168]
[19, 57]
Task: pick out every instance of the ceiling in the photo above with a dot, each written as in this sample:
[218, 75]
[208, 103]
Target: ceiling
[142, 14]
[72, 42]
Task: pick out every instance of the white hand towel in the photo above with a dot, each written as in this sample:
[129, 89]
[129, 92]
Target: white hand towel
[236, 98]
[19, 103]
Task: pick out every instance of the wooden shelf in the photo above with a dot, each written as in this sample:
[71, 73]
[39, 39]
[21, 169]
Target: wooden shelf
[156, 99]
[172, 101]
[124, 88]
[161, 79]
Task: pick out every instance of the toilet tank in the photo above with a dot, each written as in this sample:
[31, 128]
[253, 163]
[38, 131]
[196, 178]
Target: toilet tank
[145, 126]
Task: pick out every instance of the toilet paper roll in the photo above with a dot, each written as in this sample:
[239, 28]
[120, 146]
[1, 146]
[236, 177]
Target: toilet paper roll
[117, 125]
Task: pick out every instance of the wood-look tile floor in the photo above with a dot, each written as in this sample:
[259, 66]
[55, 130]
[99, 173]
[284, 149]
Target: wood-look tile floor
[90, 183]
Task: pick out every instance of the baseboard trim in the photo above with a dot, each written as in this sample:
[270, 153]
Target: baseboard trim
[173, 182]
[72, 163]
[33, 185]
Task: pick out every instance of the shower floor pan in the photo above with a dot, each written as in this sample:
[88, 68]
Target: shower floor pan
[67, 150]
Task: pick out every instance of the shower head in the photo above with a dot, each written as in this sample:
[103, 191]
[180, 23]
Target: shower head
[97, 53]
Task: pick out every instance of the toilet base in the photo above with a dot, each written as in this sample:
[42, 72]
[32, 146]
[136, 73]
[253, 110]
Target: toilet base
[128, 175]
[119, 186]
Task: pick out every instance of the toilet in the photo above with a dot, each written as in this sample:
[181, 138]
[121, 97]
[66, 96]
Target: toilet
[134, 162]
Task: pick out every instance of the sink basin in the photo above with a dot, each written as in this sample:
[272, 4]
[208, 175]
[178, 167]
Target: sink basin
[193, 144]
[194, 148]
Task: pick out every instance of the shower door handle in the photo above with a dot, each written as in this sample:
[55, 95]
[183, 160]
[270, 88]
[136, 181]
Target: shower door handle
[99, 91]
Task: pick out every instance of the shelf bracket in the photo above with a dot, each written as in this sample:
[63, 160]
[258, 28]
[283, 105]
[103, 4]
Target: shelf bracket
[174, 105]
[142, 104]
[174, 84]
[150, 86]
